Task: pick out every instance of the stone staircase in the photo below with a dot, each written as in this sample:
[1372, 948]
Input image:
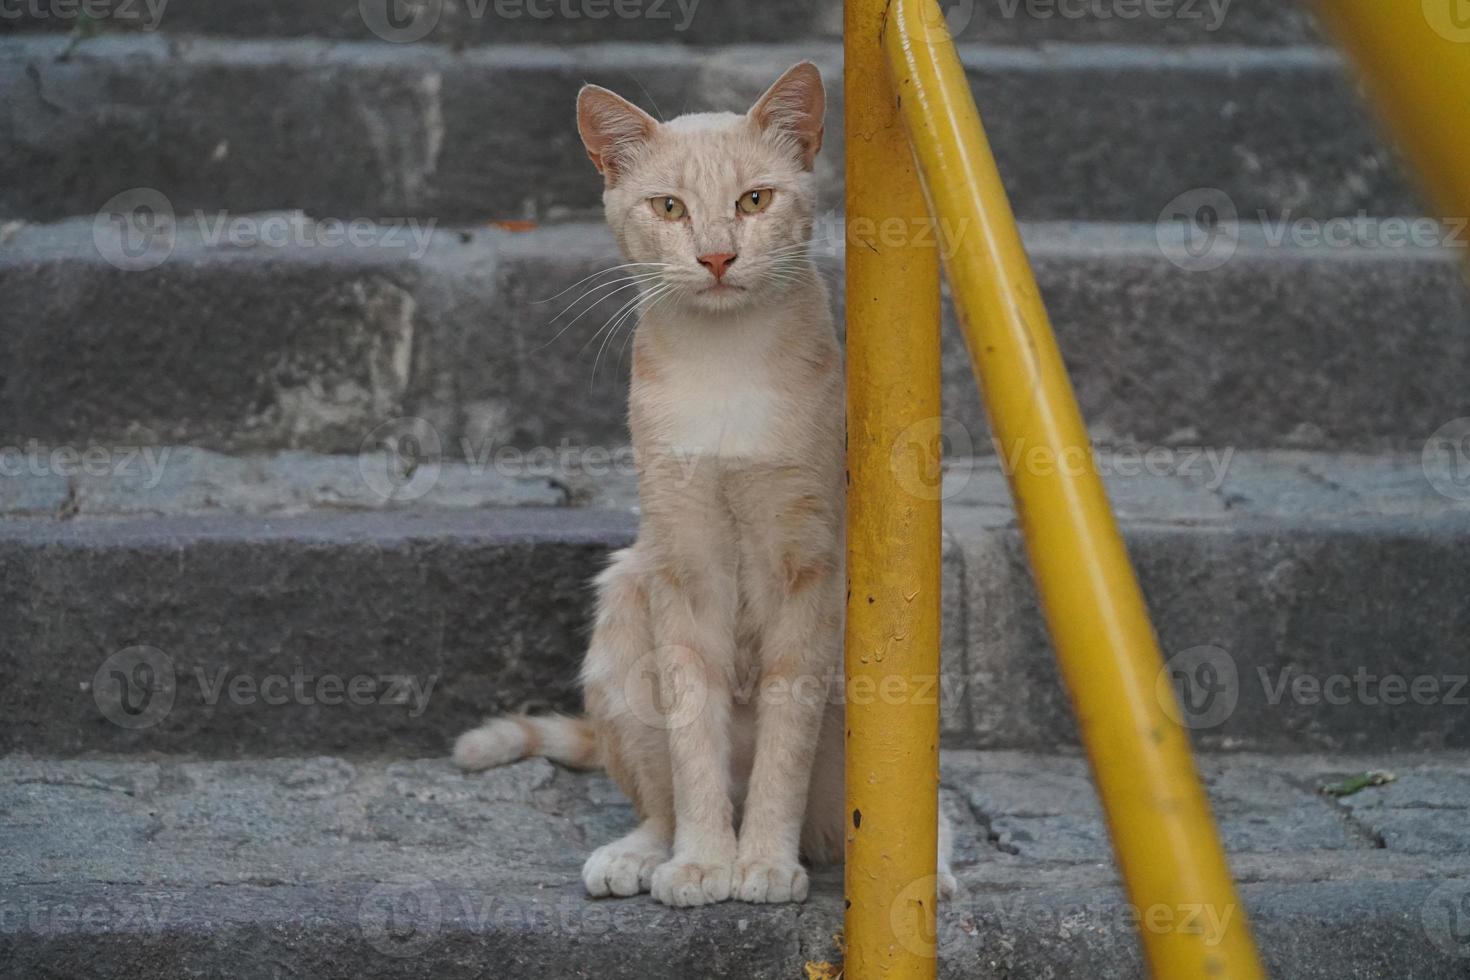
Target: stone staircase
[238, 628]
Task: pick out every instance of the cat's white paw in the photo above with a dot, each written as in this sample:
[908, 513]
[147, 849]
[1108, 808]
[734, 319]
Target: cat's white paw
[947, 886]
[686, 883]
[760, 880]
[622, 868]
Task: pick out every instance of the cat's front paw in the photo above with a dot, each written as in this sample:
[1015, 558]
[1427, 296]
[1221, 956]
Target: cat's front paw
[762, 880]
[622, 868]
[684, 883]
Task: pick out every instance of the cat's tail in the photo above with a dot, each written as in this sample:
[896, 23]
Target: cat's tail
[500, 741]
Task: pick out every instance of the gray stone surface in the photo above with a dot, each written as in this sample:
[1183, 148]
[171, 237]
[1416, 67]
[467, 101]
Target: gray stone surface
[334, 630]
[1417, 812]
[306, 344]
[1280, 591]
[174, 480]
[244, 349]
[463, 22]
[383, 131]
[371, 866]
[443, 615]
[1280, 604]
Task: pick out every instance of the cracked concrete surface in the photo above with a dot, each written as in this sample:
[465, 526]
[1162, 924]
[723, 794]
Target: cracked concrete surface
[409, 868]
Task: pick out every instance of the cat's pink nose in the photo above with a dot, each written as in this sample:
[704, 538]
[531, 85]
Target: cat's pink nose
[717, 263]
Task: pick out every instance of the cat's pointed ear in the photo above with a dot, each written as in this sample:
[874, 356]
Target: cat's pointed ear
[611, 126]
[795, 106]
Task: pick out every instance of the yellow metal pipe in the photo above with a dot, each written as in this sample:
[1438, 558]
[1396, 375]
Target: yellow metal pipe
[893, 535]
[1415, 59]
[1190, 918]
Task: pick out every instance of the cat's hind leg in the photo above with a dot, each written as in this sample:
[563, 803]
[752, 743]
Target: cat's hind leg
[618, 680]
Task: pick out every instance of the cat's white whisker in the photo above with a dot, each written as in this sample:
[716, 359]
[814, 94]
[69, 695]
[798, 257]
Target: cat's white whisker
[626, 283]
[650, 308]
[633, 303]
[632, 313]
[602, 272]
[631, 276]
[594, 290]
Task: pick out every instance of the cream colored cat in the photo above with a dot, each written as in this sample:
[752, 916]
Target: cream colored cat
[713, 676]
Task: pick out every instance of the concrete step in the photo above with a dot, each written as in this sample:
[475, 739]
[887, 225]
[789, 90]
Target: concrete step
[287, 337]
[387, 867]
[381, 131]
[706, 22]
[1303, 600]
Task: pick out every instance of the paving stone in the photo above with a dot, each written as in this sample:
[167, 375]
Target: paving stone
[463, 22]
[406, 868]
[382, 131]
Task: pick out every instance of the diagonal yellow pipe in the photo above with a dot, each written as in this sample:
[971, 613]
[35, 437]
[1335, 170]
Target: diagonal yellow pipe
[1415, 59]
[1191, 921]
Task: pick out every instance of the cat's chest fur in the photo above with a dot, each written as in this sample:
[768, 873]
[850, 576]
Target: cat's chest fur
[711, 393]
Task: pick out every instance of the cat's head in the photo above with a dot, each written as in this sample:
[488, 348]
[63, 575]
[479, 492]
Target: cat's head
[724, 201]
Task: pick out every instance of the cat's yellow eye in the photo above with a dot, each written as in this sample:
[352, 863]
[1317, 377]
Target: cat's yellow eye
[668, 208]
[756, 201]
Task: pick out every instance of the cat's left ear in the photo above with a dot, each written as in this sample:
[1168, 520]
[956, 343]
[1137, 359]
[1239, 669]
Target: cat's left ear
[795, 106]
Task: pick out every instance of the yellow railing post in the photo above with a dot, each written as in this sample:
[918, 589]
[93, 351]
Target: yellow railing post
[1191, 921]
[1415, 59]
[893, 537]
